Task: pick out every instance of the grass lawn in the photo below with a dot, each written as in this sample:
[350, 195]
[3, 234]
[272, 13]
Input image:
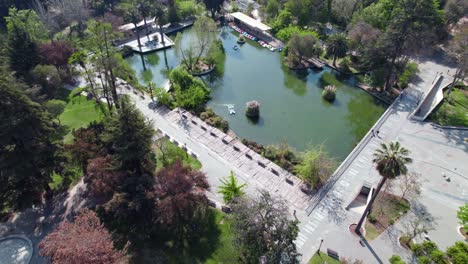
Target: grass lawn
[213, 243]
[387, 209]
[79, 112]
[453, 111]
[167, 153]
[371, 231]
[322, 258]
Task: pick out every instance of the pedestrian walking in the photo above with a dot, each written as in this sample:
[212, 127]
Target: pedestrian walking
[378, 133]
[373, 132]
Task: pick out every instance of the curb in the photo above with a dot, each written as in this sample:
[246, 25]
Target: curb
[449, 127]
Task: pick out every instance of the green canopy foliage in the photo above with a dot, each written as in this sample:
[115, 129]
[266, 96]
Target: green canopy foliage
[28, 154]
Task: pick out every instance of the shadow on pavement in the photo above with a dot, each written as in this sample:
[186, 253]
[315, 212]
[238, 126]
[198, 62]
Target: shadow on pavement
[366, 244]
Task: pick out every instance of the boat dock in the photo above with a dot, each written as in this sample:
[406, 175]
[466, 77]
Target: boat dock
[148, 45]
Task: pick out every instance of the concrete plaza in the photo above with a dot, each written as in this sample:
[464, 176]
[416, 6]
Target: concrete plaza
[438, 154]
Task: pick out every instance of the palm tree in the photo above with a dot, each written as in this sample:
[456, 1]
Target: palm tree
[391, 161]
[131, 12]
[144, 7]
[159, 12]
[230, 188]
[337, 46]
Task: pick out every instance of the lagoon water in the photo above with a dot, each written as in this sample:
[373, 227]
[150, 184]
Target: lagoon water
[292, 108]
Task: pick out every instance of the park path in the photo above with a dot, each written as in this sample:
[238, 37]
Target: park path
[435, 153]
[219, 157]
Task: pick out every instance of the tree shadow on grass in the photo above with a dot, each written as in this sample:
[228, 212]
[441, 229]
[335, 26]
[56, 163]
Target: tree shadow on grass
[201, 241]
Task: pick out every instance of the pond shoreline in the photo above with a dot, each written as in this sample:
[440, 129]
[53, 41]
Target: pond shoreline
[293, 108]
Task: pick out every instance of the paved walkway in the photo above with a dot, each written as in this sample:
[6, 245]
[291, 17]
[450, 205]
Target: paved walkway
[219, 154]
[435, 153]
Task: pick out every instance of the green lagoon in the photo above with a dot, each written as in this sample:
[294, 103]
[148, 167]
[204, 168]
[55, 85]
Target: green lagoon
[292, 108]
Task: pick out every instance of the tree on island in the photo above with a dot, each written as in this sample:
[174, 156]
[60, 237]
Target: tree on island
[205, 33]
[391, 161]
[85, 240]
[264, 230]
[252, 109]
[329, 93]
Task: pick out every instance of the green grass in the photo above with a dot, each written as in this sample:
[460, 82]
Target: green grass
[329, 79]
[56, 182]
[323, 258]
[79, 112]
[212, 244]
[453, 111]
[371, 232]
[167, 153]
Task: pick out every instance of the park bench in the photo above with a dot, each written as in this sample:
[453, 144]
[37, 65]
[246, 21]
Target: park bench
[204, 128]
[261, 164]
[226, 209]
[248, 156]
[224, 141]
[236, 148]
[332, 253]
[213, 134]
[211, 203]
[274, 171]
[289, 181]
[195, 123]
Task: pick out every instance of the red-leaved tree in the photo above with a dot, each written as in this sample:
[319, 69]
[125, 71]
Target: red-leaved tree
[87, 145]
[181, 199]
[56, 53]
[83, 241]
[102, 177]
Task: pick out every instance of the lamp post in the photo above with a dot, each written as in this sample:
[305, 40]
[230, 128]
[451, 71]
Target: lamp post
[318, 250]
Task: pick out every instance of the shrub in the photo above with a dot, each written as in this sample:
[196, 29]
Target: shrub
[438, 257]
[329, 93]
[396, 260]
[253, 109]
[417, 249]
[372, 218]
[424, 260]
[212, 119]
[410, 71]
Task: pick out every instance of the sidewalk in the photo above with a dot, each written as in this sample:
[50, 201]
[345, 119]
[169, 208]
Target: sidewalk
[435, 152]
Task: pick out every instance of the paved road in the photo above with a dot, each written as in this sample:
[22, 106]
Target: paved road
[435, 153]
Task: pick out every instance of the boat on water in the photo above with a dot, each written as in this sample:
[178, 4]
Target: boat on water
[235, 47]
[231, 109]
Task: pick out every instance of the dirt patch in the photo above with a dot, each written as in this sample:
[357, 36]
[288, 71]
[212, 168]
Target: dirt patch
[387, 209]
